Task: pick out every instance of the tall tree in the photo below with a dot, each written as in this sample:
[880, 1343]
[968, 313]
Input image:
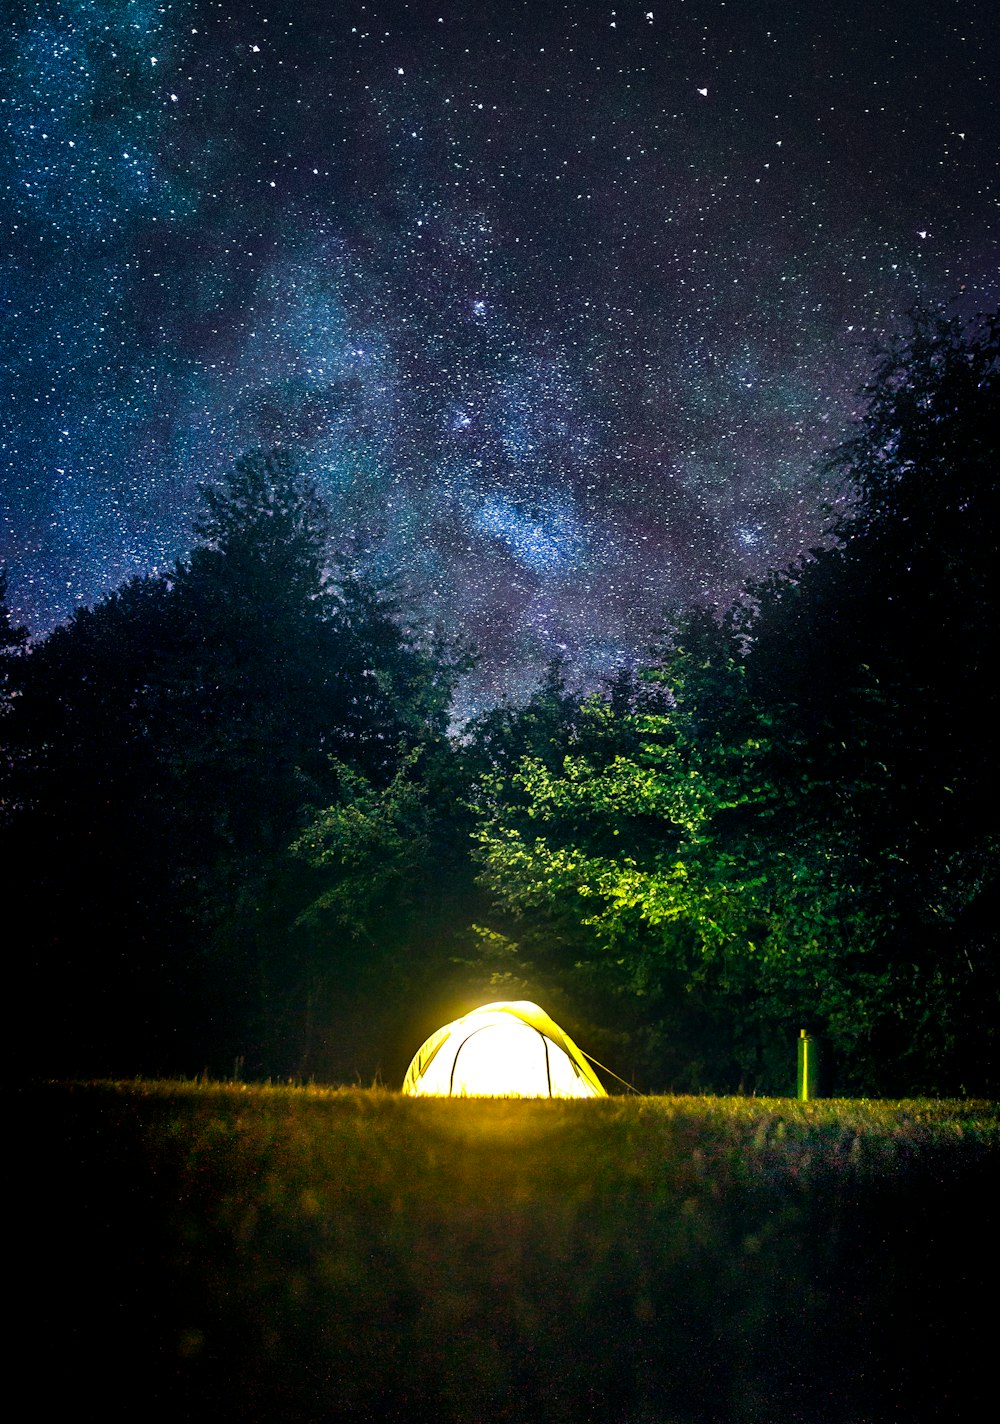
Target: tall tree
[95, 835]
[13, 642]
[874, 659]
[806, 835]
[170, 740]
[13, 637]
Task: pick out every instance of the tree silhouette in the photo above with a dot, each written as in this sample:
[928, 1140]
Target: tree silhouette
[168, 744]
[805, 834]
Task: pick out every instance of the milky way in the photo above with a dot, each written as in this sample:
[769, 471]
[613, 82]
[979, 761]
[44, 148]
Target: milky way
[559, 303]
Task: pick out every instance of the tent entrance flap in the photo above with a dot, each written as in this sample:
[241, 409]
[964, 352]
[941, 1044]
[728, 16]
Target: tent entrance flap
[510, 1049]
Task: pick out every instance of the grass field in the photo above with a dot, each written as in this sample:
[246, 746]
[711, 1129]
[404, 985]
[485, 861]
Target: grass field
[221, 1252]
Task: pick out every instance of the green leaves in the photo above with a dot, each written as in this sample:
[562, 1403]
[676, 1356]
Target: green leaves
[373, 843]
[798, 823]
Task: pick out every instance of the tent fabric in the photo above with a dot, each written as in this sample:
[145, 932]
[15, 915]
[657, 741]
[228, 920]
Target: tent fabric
[507, 1049]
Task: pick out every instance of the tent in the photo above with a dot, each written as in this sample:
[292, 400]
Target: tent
[503, 1050]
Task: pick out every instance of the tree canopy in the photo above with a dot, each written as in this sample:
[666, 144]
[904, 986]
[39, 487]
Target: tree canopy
[164, 746]
[244, 836]
[806, 836]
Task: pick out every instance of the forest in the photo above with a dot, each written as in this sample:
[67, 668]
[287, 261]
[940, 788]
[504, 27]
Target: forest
[243, 837]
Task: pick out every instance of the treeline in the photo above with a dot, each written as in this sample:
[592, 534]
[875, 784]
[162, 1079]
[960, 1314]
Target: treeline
[241, 837]
[163, 751]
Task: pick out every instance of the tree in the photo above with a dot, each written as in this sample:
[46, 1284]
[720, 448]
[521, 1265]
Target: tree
[95, 836]
[543, 726]
[805, 835]
[392, 893]
[874, 659]
[170, 742]
[13, 643]
[628, 855]
[13, 637]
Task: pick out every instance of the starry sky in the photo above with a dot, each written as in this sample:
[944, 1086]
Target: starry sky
[559, 303]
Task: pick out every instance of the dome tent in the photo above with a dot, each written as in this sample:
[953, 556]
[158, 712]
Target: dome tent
[503, 1050]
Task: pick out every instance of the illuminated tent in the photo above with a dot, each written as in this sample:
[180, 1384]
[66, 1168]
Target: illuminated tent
[503, 1050]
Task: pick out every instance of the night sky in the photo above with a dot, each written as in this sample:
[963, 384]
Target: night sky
[559, 303]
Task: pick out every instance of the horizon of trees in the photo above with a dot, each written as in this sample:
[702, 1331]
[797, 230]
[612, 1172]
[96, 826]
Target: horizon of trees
[244, 839]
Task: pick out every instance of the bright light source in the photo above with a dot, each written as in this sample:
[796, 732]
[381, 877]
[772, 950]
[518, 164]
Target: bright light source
[506, 1050]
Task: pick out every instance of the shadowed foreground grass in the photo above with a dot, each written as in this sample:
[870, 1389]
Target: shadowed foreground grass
[221, 1252]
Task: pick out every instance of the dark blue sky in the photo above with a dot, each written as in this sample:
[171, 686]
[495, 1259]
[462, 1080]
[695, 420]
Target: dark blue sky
[558, 302]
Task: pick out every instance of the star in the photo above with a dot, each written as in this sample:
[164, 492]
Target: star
[559, 356]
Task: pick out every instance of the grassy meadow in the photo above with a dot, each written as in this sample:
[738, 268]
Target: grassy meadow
[225, 1252]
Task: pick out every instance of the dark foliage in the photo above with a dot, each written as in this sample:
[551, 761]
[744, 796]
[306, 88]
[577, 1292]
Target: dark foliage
[873, 661]
[803, 833]
[162, 747]
[241, 837]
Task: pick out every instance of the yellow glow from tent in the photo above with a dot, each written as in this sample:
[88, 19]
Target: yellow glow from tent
[501, 1050]
[505, 1059]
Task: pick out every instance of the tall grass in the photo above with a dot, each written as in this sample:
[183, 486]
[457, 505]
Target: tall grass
[224, 1252]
